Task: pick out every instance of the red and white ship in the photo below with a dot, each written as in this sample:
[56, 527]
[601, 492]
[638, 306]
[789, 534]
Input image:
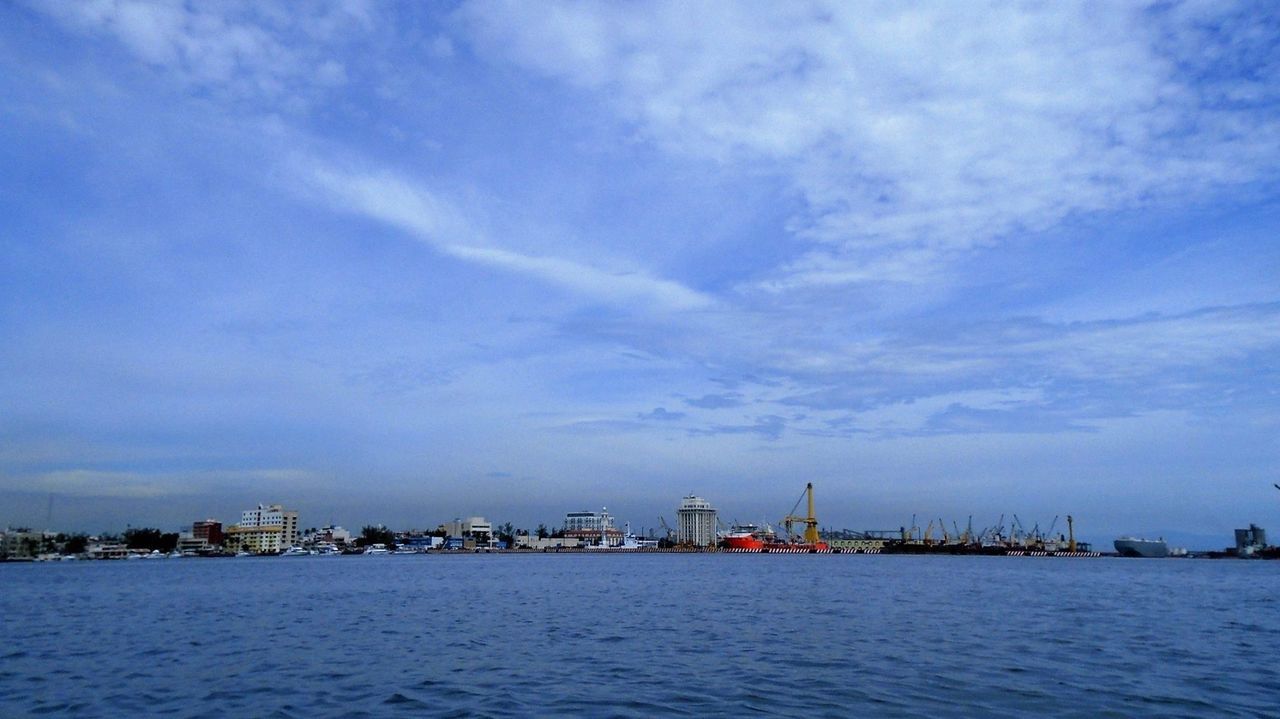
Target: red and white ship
[746, 538]
[751, 538]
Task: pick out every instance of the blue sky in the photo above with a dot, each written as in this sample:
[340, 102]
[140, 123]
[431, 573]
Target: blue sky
[399, 263]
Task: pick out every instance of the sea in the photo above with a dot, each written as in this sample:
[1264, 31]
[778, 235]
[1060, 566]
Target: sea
[641, 635]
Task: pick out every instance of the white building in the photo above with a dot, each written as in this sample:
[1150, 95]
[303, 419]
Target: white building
[266, 529]
[696, 522]
[587, 521]
[469, 527]
[332, 534]
[274, 515]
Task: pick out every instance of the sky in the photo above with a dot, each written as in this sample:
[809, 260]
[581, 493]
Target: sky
[401, 262]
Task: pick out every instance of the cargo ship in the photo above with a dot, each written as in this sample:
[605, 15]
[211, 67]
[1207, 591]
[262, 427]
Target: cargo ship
[1136, 547]
[751, 538]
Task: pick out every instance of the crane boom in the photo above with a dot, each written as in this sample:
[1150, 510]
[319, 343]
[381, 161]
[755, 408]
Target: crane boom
[810, 522]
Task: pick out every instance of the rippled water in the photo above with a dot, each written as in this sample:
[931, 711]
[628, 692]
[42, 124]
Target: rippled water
[642, 635]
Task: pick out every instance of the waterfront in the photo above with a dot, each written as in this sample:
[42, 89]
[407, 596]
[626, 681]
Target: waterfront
[646, 635]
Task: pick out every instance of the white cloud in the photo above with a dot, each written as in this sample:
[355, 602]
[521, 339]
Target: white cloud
[438, 223]
[914, 131]
[243, 50]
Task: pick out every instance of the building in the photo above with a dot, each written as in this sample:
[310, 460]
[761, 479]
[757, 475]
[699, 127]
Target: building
[594, 537]
[23, 544]
[1251, 539]
[209, 530]
[695, 522]
[270, 516]
[469, 527]
[420, 541]
[587, 521]
[106, 550]
[332, 534]
[533, 541]
[266, 529]
[266, 539]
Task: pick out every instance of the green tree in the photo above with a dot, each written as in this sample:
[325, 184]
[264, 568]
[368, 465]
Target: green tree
[543, 532]
[507, 533]
[370, 534]
[75, 544]
[150, 539]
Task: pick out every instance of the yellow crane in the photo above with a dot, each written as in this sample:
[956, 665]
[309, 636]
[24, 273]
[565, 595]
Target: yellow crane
[810, 522]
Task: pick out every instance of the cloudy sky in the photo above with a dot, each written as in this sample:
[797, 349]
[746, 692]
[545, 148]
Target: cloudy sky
[403, 262]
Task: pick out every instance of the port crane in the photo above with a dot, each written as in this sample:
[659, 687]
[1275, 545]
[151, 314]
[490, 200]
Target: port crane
[810, 522]
[665, 528]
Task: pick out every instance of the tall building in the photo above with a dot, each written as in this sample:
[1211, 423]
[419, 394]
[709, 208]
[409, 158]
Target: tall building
[696, 522]
[266, 529]
[273, 515]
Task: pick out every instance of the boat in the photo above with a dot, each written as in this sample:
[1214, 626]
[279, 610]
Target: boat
[748, 538]
[378, 548]
[295, 552]
[1138, 547]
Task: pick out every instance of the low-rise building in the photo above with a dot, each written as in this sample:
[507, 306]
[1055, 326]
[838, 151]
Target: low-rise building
[22, 544]
[266, 539]
[527, 541]
[420, 541]
[606, 538]
[209, 530]
[106, 550]
[471, 527]
[332, 534]
[587, 521]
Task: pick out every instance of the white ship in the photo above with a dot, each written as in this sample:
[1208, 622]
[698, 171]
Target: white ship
[1136, 547]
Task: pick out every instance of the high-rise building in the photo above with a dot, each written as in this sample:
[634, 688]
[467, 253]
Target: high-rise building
[266, 529]
[696, 522]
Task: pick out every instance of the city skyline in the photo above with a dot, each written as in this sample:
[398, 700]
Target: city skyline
[396, 263]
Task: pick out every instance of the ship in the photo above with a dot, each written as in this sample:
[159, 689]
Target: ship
[746, 538]
[750, 538]
[1136, 547]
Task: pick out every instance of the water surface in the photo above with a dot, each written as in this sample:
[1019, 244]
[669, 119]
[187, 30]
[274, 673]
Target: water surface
[640, 636]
